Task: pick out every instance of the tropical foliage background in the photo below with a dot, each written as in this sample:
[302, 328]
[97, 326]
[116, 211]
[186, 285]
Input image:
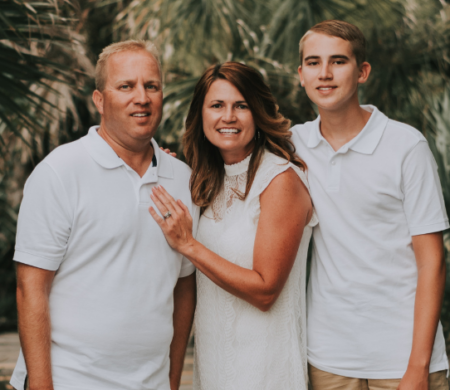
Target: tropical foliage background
[48, 50]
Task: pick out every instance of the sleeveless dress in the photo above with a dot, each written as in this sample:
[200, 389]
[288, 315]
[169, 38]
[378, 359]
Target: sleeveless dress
[237, 346]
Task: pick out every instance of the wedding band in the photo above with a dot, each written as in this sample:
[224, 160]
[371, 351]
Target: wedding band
[167, 215]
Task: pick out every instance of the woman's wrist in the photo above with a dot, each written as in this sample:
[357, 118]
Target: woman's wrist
[189, 248]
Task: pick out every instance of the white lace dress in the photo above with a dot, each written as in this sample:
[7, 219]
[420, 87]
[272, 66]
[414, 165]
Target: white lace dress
[237, 346]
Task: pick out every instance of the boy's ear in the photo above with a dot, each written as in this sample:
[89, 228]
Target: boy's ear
[302, 82]
[364, 72]
[97, 98]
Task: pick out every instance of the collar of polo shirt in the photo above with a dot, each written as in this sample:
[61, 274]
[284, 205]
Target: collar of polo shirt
[105, 156]
[365, 142]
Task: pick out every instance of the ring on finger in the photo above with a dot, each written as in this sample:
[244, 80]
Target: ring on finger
[167, 215]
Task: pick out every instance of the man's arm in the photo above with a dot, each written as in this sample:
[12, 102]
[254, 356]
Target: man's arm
[429, 252]
[184, 297]
[33, 288]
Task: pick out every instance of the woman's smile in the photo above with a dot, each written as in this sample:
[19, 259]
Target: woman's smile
[228, 121]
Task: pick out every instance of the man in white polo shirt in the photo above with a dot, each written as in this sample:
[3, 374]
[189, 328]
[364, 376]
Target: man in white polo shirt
[378, 271]
[103, 301]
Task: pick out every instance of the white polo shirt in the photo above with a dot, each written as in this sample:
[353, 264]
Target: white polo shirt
[85, 215]
[371, 196]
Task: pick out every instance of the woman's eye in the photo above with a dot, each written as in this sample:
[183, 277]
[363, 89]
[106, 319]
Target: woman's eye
[242, 106]
[216, 105]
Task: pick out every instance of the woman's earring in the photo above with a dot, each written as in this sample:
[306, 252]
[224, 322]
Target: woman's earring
[257, 135]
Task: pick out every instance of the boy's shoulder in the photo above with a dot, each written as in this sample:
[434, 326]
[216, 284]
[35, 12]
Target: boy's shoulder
[300, 133]
[405, 131]
[304, 128]
[401, 135]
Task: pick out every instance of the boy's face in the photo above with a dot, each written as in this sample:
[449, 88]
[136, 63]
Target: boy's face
[329, 72]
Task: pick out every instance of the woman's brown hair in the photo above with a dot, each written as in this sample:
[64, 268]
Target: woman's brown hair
[272, 131]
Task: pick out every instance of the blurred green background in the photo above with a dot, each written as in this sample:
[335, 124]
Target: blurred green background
[48, 50]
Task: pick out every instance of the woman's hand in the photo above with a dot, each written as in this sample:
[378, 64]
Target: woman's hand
[176, 223]
[167, 151]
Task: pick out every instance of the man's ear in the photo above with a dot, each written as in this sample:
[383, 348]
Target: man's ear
[97, 98]
[300, 74]
[364, 72]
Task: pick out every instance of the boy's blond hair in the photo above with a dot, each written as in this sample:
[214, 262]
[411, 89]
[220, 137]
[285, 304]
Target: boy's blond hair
[343, 30]
[130, 45]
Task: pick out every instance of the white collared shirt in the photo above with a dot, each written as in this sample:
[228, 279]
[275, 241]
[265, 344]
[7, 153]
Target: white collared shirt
[371, 196]
[85, 216]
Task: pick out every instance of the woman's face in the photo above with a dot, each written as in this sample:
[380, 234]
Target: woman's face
[228, 122]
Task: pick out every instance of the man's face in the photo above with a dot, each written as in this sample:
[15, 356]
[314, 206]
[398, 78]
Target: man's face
[131, 103]
[329, 72]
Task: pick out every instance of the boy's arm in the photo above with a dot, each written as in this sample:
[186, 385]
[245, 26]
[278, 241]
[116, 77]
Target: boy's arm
[429, 253]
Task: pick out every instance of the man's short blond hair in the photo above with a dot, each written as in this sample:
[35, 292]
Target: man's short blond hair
[343, 30]
[130, 45]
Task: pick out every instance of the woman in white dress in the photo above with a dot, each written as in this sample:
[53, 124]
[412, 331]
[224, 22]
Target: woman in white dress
[251, 246]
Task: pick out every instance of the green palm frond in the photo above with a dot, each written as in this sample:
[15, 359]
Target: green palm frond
[191, 33]
[26, 29]
[409, 63]
[43, 70]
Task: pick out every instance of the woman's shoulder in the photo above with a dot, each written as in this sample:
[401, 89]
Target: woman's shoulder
[272, 165]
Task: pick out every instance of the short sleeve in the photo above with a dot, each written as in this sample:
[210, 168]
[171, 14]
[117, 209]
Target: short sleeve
[187, 267]
[423, 201]
[271, 167]
[44, 222]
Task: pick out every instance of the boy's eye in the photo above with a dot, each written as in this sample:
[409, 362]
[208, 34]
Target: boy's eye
[312, 63]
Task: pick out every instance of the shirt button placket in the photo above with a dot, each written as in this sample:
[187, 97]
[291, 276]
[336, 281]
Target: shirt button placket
[334, 173]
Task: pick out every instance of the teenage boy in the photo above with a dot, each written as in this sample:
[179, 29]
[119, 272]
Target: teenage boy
[378, 270]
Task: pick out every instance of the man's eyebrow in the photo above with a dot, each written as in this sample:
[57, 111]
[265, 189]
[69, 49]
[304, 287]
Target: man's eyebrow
[155, 81]
[124, 81]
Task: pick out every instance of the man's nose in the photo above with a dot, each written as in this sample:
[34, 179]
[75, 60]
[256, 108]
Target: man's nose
[141, 95]
[325, 72]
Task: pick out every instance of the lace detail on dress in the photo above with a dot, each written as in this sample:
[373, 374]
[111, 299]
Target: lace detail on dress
[233, 188]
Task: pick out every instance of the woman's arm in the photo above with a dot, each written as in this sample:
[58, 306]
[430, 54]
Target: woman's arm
[285, 210]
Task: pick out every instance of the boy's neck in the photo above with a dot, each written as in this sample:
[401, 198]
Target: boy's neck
[340, 126]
